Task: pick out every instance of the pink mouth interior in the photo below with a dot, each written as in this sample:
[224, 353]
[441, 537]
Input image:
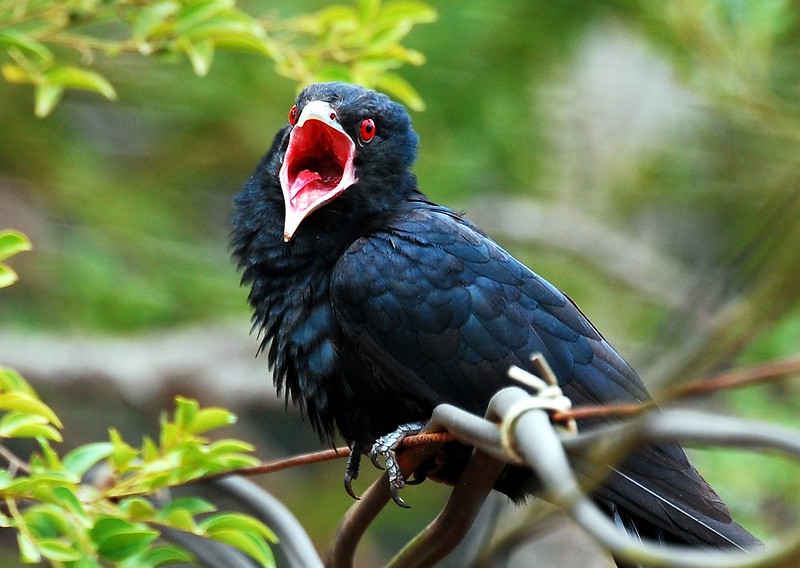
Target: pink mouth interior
[316, 160]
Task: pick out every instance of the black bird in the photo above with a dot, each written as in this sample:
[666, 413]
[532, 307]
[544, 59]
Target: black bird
[376, 305]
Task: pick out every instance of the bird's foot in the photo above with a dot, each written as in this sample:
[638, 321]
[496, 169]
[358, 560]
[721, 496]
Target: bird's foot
[385, 446]
[351, 472]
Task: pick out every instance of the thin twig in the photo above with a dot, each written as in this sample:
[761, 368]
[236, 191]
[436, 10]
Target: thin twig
[15, 463]
[739, 377]
[734, 378]
[283, 463]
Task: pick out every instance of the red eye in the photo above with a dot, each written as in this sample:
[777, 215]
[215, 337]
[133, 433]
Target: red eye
[293, 115]
[367, 129]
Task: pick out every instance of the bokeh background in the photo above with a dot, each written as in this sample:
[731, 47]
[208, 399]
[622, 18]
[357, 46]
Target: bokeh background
[643, 156]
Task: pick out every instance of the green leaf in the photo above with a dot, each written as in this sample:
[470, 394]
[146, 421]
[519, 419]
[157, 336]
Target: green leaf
[200, 12]
[416, 12]
[390, 35]
[14, 38]
[50, 455]
[194, 505]
[210, 419]
[150, 451]
[68, 499]
[180, 519]
[77, 78]
[150, 19]
[138, 508]
[13, 485]
[397, 86]
[26, 404]
[123, 453]
[21, 425]
[12, 381]
[166, 555]
[200, 54]
[17, 74]
[7, 276]
[229, 446]
[85, 562]
[254, 547]
[333, 73]
[118, 539]
[237, 522]
[185, 412]
[46, 98]
[11, 243]
[246, 43]
[342, 18]
[83, 458]
[58, 550]
[27, 550]
[46, 521]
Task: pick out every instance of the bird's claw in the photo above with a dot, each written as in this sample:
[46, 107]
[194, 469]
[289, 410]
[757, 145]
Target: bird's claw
[374, 455]
[351, 473]
[394, 491]
[385, 446]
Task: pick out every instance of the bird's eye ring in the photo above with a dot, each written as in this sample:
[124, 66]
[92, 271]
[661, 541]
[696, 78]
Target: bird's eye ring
[367, 131]
[293, 113]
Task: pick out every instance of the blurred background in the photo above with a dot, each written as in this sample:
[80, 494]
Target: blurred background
[644, 157]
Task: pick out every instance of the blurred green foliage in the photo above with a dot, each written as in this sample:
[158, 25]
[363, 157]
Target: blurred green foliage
[359, 44]
[666, 124]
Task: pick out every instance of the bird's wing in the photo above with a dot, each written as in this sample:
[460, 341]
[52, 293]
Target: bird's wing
[442, 311]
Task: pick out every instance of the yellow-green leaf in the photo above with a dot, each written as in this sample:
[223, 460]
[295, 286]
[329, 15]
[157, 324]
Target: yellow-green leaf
[82, 459]
[7, 276]
[251, 545]
[27, 550]
[12, 381]
[22, 425]
[15, 38]
[168, 555]
[400, 88]
[138, 508]
[16, 74]
[11, 243]
[200, 12]
[237, 522]
[151, 18]
[26, 404]
[58, 550]
[77, 78]
[210, 419]
[46, 98]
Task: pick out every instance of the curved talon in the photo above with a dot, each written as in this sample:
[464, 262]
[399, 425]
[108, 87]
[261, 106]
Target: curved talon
[373, 457]
[394, 490]
[348, 485]
[351, 473]
[418, 478]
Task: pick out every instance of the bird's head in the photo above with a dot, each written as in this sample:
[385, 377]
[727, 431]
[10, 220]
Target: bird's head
[341, 137]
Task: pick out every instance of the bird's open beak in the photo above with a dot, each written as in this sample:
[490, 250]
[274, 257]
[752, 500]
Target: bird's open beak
[318, 165]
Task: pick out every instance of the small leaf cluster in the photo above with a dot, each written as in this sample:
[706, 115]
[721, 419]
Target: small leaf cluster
[51, 44]
[357, 44]
[89, 508]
